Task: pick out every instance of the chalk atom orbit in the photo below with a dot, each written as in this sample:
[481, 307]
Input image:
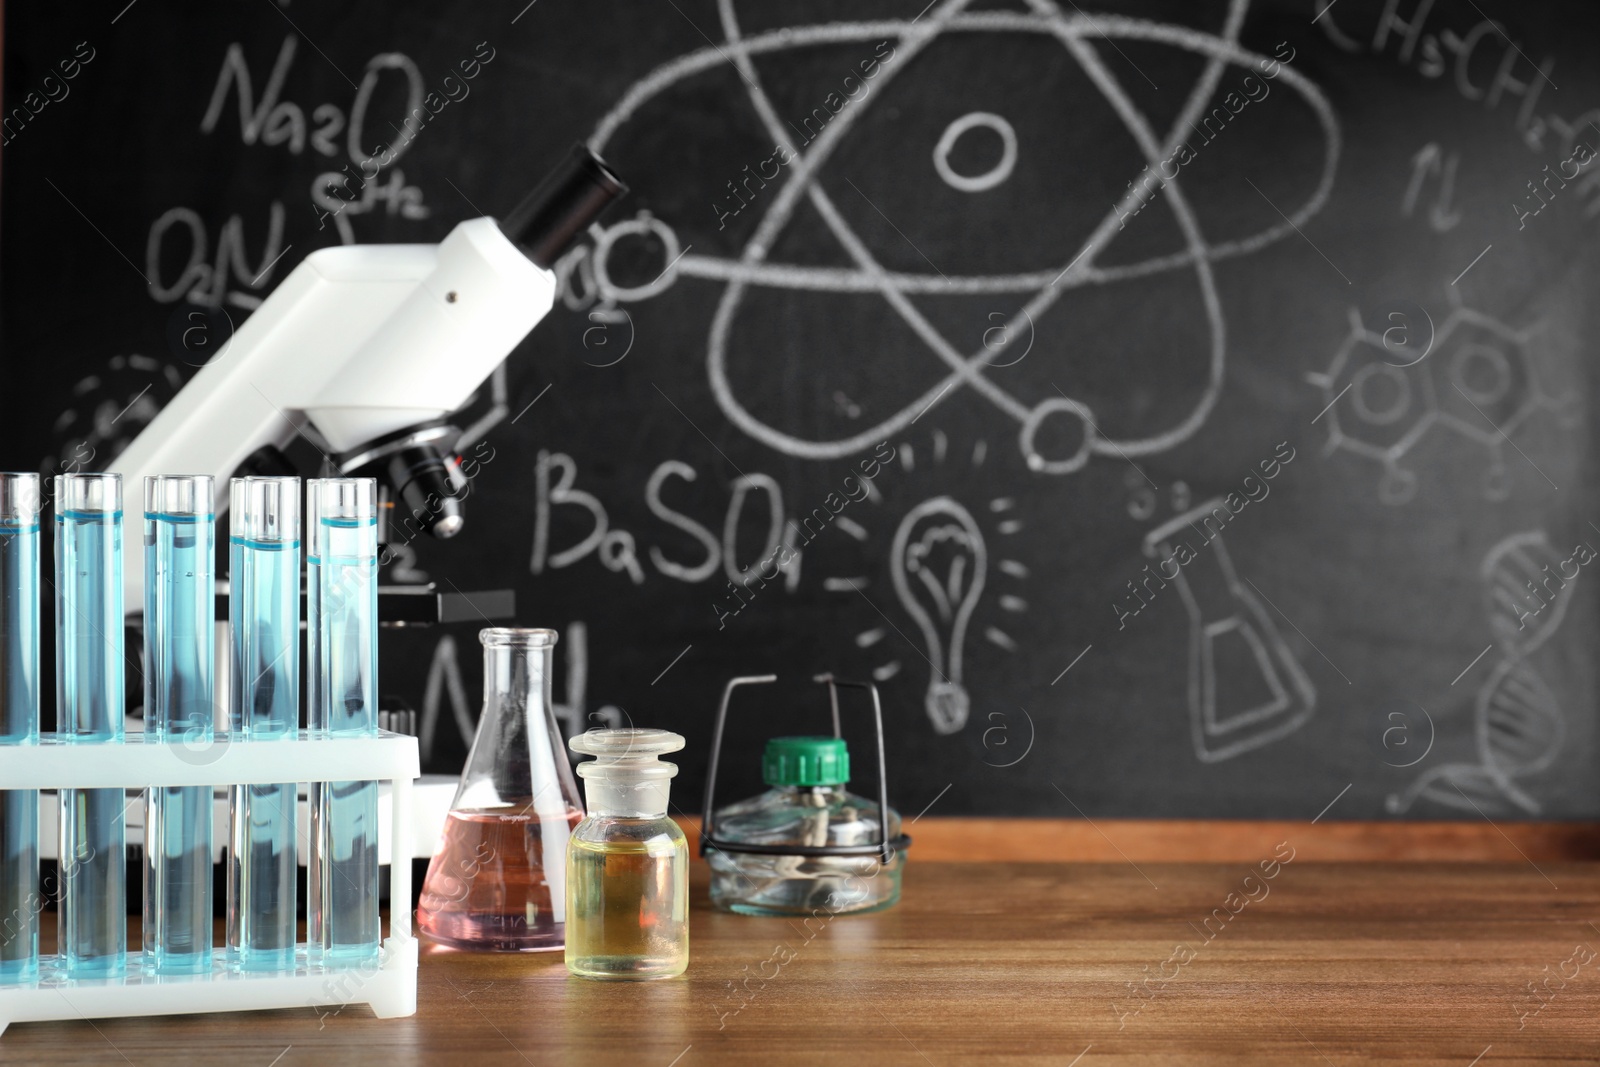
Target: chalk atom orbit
[752, 268]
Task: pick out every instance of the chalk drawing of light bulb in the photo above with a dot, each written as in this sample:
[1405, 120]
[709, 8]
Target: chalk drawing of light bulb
[938, 563]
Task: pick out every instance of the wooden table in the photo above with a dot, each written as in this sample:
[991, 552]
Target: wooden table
[1004, 963]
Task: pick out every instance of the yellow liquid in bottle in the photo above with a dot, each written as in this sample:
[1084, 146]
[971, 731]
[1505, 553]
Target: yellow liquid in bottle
[627, 899]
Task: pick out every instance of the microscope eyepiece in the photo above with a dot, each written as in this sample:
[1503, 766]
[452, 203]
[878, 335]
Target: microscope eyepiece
[562, 206]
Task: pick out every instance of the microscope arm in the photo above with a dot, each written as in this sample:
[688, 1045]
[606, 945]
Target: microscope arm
[364, 342]
[359, 341]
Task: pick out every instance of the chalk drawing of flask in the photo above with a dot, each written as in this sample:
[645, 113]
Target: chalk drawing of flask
[1228, 626]
[937, 564]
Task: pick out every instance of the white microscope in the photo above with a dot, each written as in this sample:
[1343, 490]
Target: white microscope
[372, 348]
[367, 350]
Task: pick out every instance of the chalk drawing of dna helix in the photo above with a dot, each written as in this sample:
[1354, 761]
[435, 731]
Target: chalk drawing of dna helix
[1518, 724]
[1076, 32]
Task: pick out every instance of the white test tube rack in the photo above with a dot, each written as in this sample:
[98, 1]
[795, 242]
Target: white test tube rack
[389, 988]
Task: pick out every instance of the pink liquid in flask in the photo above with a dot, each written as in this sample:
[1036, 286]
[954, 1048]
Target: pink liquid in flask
[499, 881]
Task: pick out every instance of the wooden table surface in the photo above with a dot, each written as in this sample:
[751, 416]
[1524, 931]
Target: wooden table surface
[1004, 963]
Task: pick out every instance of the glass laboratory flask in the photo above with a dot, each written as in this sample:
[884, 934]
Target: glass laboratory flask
[498, 880]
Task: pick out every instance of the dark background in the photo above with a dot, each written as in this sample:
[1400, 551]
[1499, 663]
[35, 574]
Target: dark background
[1366, 580]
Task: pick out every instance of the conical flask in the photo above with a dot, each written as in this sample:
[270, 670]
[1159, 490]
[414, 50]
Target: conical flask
[498, 881]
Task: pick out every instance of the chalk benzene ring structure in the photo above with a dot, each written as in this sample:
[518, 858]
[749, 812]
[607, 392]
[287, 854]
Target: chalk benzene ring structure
[868, 275]
[1428, 403]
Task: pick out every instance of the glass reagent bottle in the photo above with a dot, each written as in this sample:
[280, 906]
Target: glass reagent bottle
[627, 863]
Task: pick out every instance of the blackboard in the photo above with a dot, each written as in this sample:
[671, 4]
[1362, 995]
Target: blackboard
[1179, 409]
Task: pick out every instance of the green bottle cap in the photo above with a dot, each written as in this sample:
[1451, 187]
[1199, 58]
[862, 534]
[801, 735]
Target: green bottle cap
[806, 761]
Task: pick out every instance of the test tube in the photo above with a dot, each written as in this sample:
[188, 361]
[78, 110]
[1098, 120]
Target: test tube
[179, 706]
[342, 642]
[264, 624]
[20, 903]
[93, 933]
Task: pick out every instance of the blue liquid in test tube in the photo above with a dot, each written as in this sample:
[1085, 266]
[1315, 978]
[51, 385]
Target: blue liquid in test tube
[93, 932]
[264, 618]
[20, 903]
[341, 616]
[179, 706]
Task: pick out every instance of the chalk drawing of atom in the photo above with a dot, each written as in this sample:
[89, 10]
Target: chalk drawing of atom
[803, 184]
